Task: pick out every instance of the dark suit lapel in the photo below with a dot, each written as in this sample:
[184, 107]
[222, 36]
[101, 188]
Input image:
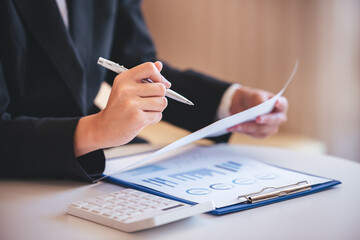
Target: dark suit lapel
[44, 20]
[81, 25]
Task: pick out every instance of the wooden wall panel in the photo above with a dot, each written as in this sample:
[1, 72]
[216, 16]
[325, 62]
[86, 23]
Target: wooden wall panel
[256, 43]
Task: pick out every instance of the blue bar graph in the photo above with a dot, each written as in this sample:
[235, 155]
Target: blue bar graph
[160, 182]
[195, 174]
[174, 179]
[229, 166]
[154, 183]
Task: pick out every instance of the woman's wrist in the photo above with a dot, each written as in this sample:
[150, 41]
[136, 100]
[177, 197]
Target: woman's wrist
[87, 137]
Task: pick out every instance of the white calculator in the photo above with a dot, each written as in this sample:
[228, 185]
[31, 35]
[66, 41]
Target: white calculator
[131, 210]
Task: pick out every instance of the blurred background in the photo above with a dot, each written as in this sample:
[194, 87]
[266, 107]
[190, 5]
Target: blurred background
[256, 43]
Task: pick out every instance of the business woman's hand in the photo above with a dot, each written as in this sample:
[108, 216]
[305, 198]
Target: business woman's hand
[265, 125]
[132, 105]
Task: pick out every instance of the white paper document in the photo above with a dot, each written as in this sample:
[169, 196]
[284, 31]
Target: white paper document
[214, 129]
[218, 173]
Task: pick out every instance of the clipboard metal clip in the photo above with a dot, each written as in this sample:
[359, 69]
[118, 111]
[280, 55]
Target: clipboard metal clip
[274, 192]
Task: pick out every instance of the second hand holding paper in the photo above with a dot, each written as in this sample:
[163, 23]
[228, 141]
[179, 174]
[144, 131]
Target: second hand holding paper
[216, 128]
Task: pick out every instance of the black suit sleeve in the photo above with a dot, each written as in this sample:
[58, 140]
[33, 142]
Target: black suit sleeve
[41, 147]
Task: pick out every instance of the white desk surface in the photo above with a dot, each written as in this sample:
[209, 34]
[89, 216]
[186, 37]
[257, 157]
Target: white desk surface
[35, 209]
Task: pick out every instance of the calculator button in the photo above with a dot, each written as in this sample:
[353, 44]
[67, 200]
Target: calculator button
[105, 197]
[79, 204]
[109, 213]
[116, 194]
[119, 218]
[98, 210]
[89, 207]
[97, 202]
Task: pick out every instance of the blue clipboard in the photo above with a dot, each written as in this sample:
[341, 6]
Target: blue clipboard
[232, 208]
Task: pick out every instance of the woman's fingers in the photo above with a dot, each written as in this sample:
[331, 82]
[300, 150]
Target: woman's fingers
[281, 105]
[153, 104]
[255, 130]
[152, 117]
[263, 126]
[272, 119]
[148, 70]
[151, 90]
[158, 65]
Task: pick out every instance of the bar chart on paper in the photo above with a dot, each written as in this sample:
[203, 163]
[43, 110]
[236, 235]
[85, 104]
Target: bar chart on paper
[229, 166]
[202, 173]
[173, 180]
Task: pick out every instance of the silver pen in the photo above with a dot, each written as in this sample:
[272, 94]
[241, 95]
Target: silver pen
[119, 69]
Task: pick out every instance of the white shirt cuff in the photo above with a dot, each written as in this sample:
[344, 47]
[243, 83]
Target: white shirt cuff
[225, 103]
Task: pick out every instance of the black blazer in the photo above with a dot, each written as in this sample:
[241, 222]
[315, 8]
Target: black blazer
[49, 79]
